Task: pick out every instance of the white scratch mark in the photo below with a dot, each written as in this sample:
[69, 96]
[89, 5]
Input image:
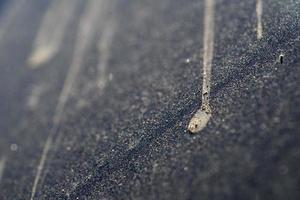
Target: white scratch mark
[52, 31]
[10, 13]
[2, 166]
[86, 32]
[259, 10]
[103, 48]
[202, 116]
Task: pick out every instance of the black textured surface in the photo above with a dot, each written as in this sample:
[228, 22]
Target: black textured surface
[131, 141]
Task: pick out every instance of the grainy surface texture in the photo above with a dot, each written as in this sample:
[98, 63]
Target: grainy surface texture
[99, 109]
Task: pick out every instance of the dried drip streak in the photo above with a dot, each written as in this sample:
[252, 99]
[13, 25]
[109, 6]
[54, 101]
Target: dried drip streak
[202, 116]
[104, 46]
[9, 15]
[86, 32]
[52, 31]
[259, 10]
[2, 165]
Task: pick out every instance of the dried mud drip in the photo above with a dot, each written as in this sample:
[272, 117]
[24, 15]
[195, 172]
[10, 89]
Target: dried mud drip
[202, 116]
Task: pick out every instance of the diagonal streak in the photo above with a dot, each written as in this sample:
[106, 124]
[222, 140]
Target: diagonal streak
[86, 32]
